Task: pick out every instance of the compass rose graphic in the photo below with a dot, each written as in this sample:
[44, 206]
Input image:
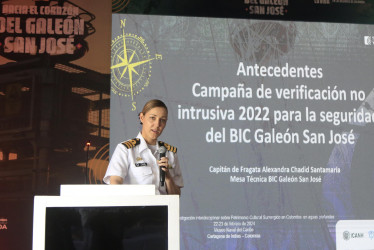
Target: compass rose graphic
[131, 65]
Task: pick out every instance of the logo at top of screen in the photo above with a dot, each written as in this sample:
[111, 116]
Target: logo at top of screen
[131, 64]
[369, 40]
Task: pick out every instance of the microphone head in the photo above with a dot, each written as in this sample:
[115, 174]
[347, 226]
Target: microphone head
[162, 150]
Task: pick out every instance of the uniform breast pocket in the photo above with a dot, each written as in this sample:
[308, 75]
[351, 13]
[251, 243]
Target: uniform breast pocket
[141, 175]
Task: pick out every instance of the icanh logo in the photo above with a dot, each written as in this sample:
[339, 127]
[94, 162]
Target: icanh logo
[346, 235]
[131, 65]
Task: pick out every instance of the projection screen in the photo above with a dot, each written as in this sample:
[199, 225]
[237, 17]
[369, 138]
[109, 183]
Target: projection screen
[273, 121]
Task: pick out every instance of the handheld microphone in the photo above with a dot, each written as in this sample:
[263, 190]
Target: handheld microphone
[162, 151]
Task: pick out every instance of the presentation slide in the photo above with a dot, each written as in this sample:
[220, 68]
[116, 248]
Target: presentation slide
[273, 121]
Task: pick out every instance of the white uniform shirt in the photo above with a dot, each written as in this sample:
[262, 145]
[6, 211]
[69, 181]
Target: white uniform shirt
[137, 165]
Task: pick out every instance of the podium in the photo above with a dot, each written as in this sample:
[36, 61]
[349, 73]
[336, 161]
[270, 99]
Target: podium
[106, 217]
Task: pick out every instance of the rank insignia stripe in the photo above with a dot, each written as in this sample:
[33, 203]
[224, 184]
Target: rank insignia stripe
[131, 143]
[168, 147]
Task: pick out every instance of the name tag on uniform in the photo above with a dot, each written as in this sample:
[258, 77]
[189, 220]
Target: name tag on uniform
[141, 164]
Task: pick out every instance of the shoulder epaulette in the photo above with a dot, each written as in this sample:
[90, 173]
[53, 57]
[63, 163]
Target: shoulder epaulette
[131, 143]
[167, 146]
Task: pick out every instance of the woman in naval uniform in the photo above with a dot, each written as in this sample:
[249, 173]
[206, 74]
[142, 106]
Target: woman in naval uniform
[136, 161]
